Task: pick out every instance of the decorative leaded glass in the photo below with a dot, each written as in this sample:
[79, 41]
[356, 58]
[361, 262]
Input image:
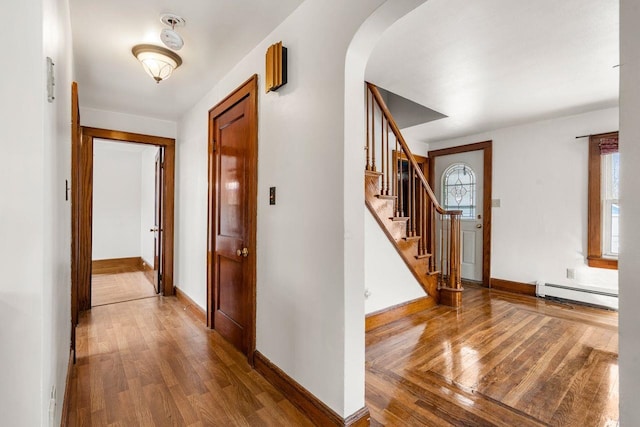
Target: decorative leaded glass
[459, 189]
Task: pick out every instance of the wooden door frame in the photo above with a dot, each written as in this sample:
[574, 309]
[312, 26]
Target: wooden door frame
[82, 206]
[248, 89]
[487, 149]
[76, 135]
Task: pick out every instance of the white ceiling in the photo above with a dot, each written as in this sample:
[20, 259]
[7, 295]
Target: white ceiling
[217, 35]
[490, 64]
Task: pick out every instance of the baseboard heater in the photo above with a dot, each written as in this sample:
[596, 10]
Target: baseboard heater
[597, 297]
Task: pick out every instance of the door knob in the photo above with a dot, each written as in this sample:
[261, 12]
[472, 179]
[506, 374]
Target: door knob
[243, 252]
[153, 229]
[478, 225]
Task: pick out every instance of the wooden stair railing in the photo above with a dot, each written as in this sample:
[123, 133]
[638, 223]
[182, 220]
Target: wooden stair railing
[396, 186]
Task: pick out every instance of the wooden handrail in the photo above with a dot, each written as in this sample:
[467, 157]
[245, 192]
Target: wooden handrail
[420, 214]
[396, 131]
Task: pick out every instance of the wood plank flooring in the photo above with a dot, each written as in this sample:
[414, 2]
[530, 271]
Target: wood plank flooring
[112, 288]
[500, 360]
[150, 362]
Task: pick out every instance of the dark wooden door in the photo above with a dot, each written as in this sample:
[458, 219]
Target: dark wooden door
[232, 212]
[157, 227]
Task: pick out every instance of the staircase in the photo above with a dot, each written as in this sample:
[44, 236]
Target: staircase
[397, 194]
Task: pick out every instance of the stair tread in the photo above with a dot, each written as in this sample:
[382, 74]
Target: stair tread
[386, 197]
[399, 218]
[433, 273]
[372, 173]
[423, 256]
[411, 238]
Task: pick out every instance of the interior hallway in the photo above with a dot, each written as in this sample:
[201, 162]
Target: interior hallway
[149, 362]
[502, 359]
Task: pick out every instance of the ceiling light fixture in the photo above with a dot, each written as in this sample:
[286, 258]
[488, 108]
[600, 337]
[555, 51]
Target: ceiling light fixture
[157, 61]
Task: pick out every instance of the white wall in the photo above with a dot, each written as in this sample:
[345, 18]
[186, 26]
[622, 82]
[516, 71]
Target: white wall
[540, 176]
[387, 277]
[117, 185]
[310, 255]
[57, 211]
[103, 119]
[34, 218]
[630, 201]
[147, 203]
[22, 107]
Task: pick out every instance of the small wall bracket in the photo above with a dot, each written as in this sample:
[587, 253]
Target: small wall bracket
[50, 80]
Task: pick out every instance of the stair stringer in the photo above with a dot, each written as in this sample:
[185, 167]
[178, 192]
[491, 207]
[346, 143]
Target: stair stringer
[396, 232]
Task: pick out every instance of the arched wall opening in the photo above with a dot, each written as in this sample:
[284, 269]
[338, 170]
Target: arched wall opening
[358, 53]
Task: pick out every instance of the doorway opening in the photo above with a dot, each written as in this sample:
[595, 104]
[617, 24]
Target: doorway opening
[83, 148]
[126, 214]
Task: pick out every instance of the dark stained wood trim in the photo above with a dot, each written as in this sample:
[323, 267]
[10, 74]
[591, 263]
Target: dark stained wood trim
[147, 269]
[360, 418]
[84, 163]
[513, 287]
[460, 149]
[487, 148]
[599, 262]
[390, 314]
[168, 218]
[191, 305]
[304, 400]
[76, 134]
[116, 135]
[248, 89]
[594, 218]
[85, 221]
[67, 390]
[105, 266]
[487, 211]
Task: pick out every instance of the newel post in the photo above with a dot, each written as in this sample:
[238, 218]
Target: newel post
[452, 294]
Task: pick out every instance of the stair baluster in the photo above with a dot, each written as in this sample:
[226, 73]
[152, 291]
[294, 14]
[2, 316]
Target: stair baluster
[423, 211]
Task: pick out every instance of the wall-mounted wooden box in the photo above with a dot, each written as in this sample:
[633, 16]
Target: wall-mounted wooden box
[276, 67]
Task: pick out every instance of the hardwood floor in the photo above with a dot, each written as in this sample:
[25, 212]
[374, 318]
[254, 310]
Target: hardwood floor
[500, 360]
[150, 362]
[112, 288]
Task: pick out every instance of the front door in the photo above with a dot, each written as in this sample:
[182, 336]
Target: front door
[459, 186]
[232, 201]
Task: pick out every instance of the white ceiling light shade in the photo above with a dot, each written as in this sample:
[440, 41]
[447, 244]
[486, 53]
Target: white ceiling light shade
[157, 61]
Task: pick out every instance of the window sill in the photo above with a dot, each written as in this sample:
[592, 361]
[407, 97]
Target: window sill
[598, 262]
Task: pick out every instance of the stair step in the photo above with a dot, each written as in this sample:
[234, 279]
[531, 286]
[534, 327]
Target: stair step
[399, 218]
[411, 238]
[433, 273]
[372, 173]
[423, 256]
[386, 197]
